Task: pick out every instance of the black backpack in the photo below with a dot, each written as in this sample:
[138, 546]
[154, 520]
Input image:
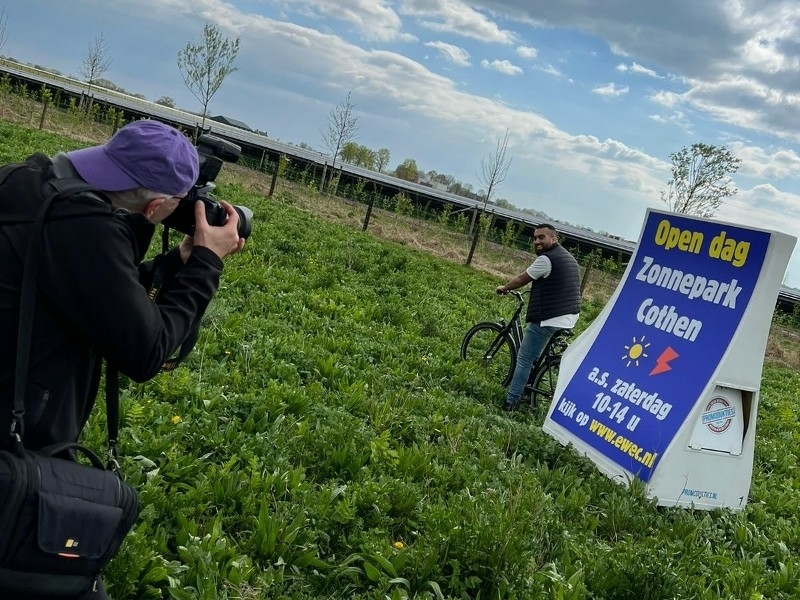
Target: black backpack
[60, 522]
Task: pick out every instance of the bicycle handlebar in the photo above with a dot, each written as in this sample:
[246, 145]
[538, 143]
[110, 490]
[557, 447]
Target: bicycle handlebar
[518, 295]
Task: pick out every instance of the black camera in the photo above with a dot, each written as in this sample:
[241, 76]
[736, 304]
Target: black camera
[213, 151]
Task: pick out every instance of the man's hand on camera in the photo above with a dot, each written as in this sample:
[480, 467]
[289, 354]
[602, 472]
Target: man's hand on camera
[222, 241]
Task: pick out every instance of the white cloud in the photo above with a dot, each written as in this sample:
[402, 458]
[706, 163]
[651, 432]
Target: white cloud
[637, 69]
[527, 52]
[502, 66]
[747, 50]
[764, 164]
[610, 90]
[665, 99]
[551, 70]
[766, 205]
[455, 17]
[452, 53]
[375, 20]
[748, 103]
[677, 118]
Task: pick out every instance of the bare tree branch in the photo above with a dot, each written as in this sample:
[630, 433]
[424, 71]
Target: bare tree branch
[494, 169]
[96, 61]
[205, 65]
[342, 128]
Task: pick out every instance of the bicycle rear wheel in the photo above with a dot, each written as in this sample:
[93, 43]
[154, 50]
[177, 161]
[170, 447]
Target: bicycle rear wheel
[489, 348]
[543, 385]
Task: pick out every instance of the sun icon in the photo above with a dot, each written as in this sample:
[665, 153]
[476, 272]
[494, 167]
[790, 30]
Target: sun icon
[635, 351]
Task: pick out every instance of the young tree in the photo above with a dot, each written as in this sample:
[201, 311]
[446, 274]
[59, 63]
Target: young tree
[95, 63]
[206, 64]
[342, 128]
[700, 179]
[494, 169]
[349, 152]
[358, 154]
[382, 157]
[407, 170]
[445, 179]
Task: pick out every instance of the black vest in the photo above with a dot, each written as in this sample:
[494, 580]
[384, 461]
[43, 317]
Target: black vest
[560, 292]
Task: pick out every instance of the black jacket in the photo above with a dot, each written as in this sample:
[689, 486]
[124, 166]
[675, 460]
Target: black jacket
[92, 303]
[560, 292]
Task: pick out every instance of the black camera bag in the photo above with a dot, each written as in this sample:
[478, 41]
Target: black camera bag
[61, 522]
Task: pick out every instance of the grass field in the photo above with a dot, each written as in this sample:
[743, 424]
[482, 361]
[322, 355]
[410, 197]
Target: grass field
[325, 441]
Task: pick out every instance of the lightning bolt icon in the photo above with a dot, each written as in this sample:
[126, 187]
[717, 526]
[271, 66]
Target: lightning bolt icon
[662, 362]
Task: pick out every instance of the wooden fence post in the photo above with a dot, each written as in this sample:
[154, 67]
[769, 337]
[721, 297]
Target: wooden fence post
[322, 179]
[369, 212]
[474, 220]
[476, 233]
[274, 178]
[586, 270]
[44, 113]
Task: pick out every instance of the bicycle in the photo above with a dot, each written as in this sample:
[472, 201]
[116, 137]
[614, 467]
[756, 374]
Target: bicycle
[493, 346]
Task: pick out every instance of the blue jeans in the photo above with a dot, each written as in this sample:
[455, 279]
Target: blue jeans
[534, 340]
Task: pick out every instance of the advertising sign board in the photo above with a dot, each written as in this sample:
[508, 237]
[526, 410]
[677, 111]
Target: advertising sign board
[676, 312]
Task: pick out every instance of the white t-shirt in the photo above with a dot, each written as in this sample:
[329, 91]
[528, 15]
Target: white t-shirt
[540, 268]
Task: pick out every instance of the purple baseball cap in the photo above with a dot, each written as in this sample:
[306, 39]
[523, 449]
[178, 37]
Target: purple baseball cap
[146, 154]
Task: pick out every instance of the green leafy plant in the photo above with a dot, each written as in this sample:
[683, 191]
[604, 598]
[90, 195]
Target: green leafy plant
[324, 440]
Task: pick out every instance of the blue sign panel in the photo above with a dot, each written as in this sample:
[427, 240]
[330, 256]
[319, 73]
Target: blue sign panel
[678, 308]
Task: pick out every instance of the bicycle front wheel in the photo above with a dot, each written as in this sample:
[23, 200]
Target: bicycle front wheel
[489, 348]
[543, 386]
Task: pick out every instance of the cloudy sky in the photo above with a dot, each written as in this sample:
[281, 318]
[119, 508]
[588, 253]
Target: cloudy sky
[596, 95]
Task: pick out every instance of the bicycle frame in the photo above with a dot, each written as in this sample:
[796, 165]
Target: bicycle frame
[510, 335]
[549, 359]
[514, 326]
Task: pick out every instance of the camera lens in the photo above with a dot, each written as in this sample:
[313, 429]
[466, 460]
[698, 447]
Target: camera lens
[245, 226]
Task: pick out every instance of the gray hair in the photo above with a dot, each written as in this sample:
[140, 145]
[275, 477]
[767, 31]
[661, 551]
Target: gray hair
[134, 200]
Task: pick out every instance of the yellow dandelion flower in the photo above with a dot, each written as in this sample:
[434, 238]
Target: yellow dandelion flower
[176, 419]
[399, 545]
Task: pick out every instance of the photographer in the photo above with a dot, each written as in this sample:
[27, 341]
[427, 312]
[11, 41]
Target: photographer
[93, 300]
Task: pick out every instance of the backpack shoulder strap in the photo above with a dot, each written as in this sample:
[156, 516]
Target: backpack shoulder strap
[50, 189]
[66, 187]
[25, 186]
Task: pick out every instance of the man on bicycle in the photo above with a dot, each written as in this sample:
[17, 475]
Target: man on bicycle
[554, 304]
